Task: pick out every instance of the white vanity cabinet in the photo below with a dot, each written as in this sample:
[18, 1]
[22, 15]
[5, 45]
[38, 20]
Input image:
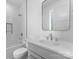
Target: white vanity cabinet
[43, 53]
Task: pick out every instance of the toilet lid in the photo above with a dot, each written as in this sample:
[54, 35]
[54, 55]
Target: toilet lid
[19, 51]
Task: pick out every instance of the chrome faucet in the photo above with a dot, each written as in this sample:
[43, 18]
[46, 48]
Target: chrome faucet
[50, 36]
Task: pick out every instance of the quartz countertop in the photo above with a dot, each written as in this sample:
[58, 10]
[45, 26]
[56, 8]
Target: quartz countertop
[65, 49]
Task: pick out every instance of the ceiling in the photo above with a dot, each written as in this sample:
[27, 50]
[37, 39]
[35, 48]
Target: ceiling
[16, 2]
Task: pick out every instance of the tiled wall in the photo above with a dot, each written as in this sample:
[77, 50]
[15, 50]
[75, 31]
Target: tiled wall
[19, 23]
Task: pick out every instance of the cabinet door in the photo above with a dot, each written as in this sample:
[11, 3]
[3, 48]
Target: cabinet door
[32, 55]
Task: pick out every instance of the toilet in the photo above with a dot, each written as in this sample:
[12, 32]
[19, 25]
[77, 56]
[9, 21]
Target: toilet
[20, 53]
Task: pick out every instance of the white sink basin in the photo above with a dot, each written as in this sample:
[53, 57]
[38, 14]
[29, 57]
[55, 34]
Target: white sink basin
[61, 44]
[50, 42]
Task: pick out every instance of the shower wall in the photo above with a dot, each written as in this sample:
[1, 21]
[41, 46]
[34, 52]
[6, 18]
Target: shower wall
[12, 17]
[23, 20]
[16, 16]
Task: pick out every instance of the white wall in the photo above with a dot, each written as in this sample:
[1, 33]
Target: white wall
[34, 20]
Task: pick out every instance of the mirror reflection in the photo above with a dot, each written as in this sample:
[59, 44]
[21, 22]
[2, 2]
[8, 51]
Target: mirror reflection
[55, 15]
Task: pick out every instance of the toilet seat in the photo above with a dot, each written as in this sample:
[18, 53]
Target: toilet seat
[19, 52]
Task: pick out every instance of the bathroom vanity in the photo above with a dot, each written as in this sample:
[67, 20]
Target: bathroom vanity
[56, 16]
[39, 50]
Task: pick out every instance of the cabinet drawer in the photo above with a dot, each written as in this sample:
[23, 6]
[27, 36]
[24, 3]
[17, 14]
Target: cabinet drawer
[32, 55]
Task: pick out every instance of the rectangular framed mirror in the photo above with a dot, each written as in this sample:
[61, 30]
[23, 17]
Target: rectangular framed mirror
[55, 15]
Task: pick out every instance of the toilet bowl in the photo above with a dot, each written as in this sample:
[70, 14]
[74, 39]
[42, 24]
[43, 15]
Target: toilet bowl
[20, 53]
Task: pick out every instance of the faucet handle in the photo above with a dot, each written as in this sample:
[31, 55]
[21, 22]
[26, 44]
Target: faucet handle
[55, 39]
[47, 37]
[50, 35]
